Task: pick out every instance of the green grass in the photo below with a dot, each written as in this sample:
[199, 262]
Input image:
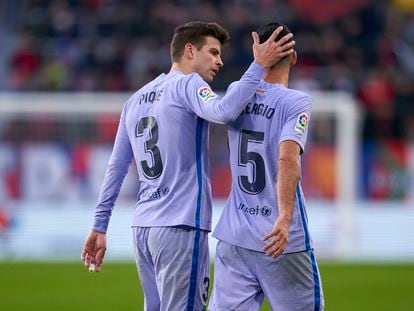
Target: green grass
[69, 286]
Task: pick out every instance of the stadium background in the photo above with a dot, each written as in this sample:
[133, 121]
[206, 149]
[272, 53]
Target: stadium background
[86, 57]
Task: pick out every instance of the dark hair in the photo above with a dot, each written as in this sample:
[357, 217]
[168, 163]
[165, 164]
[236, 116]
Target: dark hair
[265, 31]
[195, 33]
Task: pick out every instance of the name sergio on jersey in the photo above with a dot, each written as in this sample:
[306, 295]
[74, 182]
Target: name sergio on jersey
[259, 109]
[264, 211]
[150, 97]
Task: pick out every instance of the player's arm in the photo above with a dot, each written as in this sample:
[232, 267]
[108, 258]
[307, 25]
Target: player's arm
[116, 171]
[287, 181]
[206, 104]
[291, 145]
[121, 157]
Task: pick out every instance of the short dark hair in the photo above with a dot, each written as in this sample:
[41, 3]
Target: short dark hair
[195, 33]
[265, 31]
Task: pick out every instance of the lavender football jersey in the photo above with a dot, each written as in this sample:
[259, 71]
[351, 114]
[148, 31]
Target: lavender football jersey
[164, 127]
[273, 115]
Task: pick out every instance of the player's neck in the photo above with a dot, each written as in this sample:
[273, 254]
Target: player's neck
[277, 75]
[181, 67]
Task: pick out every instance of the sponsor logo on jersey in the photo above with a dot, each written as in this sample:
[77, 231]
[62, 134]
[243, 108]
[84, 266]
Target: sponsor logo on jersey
[205, 93]
[301, 122]
[154, 195]
[264, 211]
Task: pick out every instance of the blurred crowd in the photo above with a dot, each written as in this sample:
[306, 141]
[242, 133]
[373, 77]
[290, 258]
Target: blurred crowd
[359, 46]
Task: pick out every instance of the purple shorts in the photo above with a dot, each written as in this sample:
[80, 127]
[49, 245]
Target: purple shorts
[174, 267]
[243, 277]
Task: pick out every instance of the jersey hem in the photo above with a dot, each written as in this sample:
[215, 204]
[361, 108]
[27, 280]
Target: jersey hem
[289, 251]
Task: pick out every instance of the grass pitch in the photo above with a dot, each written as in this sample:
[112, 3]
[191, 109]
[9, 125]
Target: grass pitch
[69, 286]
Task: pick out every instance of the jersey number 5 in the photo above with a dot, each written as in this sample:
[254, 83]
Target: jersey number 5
[255, 159]
[154, 171]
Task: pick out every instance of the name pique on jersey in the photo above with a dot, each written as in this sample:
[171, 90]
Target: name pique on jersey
[258, 109]
[150, 97]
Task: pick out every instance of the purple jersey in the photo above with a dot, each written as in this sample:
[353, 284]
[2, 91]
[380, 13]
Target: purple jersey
[163, 127]
[274, 114]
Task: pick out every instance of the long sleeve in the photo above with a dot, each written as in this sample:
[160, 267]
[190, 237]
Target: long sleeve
[201, 100]
[116, 171]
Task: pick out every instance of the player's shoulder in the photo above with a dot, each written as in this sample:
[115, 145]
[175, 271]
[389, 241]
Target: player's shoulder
[131, 100]
[298, 95]
[293, 98]
[196, 85]
[156, 83]
[188, 81]
[192, 77]
[137, 95]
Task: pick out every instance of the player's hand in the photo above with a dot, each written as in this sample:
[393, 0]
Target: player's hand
[278, 236]
[93, 251]
[270, 52]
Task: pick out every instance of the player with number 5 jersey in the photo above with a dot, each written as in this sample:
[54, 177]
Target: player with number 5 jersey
[164, 128]
[264, 246]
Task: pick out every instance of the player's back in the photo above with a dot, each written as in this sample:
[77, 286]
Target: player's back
[275, 114]
[170, 149]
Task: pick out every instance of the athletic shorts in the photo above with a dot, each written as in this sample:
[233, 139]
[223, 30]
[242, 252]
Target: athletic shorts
[174, 267]
[242, 278]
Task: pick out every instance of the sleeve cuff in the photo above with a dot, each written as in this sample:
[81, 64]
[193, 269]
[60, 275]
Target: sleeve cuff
[100, 226]
[256, 70]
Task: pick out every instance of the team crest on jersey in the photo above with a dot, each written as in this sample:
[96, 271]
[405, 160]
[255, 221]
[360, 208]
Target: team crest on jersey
[205, 93]
[302, 122]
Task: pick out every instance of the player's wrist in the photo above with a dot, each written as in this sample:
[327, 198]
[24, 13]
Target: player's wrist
[285, 218]
[256, 69]
[262, 63]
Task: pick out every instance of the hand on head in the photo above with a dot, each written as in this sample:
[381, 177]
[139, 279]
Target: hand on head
[270, 52]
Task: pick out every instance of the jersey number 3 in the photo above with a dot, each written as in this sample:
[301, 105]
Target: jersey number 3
[255, 159]
[155, 170]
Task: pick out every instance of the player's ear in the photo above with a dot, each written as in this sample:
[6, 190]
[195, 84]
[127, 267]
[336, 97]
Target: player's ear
[189, 51]
[293, 58]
